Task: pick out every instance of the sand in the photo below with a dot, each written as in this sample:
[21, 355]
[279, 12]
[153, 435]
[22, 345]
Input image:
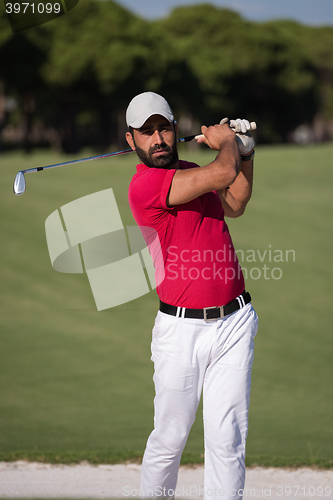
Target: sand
[35, 480]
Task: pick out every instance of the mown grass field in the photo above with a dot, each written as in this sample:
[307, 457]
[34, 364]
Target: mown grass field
[76, 384]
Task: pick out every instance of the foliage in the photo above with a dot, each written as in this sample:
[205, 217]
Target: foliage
[84, 67]
[259, 70]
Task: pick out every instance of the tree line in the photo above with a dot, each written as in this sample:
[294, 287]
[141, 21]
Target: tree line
[67, 83]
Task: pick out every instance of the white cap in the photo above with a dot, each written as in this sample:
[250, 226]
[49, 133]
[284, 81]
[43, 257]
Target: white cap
[145, 105]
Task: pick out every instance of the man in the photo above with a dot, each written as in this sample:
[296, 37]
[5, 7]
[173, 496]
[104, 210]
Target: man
[196, 344]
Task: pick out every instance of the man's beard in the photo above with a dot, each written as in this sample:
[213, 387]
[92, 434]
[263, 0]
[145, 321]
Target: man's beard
[163, 161]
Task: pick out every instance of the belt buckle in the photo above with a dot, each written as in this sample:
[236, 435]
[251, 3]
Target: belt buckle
[205, 309]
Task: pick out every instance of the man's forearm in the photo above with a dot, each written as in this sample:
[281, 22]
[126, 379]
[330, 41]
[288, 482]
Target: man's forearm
[235, 197]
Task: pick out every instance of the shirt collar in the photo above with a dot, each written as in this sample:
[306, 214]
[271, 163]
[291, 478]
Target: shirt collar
[141, 167]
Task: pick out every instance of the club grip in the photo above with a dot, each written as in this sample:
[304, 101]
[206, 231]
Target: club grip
[253, 126]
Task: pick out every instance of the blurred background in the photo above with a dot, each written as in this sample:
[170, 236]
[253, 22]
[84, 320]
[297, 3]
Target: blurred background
[76, 384]
[65, 84]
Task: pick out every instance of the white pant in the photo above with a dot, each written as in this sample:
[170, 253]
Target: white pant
[188, 355]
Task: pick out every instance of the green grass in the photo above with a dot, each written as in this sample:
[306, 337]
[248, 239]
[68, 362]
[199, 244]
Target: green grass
[76, 384]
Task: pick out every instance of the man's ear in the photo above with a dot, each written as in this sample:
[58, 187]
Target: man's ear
[176, 130]
[129, 139]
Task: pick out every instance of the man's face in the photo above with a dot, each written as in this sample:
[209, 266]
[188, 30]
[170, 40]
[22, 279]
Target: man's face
[155, 143]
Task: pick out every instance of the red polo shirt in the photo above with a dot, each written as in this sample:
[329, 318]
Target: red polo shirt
[200, 263]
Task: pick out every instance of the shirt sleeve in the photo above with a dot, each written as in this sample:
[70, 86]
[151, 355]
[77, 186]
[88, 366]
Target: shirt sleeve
[149, 190]
[166, 188]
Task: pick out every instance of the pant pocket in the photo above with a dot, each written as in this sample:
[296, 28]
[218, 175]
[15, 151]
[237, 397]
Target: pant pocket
[255, 323]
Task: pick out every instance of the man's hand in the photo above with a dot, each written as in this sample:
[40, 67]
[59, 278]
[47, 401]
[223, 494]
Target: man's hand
[245, 140]
[191, 183]
[242, 129]
[216, 135]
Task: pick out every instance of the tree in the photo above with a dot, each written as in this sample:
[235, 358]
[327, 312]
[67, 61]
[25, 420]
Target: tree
[257, 70]
[80, 71]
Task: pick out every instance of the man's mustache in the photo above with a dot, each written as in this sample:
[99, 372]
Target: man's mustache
[161, 147]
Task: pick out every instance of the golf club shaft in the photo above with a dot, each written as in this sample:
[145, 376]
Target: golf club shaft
[189, 138]
[19, 182]
[90, 158]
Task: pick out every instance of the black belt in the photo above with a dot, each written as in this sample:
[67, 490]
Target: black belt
[207, 313]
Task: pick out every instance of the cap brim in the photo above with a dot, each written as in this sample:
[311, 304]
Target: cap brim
[141, 120]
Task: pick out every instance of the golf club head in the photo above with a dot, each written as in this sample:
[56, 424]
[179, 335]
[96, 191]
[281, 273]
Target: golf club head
[19, 183]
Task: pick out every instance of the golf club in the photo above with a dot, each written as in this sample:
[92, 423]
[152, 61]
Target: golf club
[20, 184]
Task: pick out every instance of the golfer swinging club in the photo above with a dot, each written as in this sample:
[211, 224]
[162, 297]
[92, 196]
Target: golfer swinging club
[203, 334]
